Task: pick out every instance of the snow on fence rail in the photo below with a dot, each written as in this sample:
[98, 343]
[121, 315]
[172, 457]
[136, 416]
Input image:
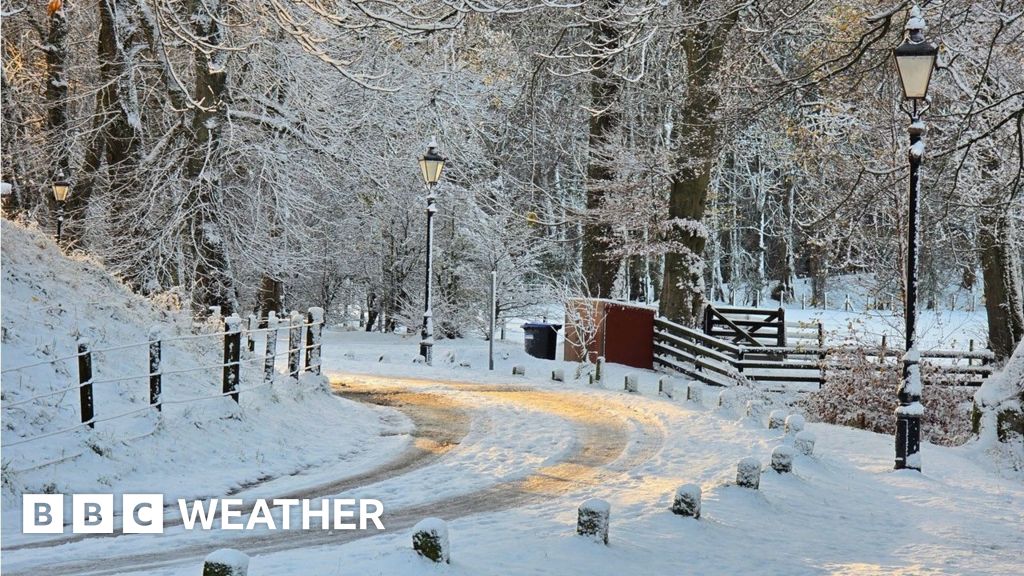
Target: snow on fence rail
[311, 325]
[719, 363]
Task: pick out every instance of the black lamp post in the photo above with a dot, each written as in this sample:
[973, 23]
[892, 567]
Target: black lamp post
[61, 189]
[915, 60]
[431, 165]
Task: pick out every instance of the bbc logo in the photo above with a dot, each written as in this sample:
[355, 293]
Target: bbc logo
[92, 513]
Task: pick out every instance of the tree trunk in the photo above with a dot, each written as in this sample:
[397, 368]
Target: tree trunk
[213, 286]
[682, 298]
[1003, 280]
[599, 268]
[788, 272]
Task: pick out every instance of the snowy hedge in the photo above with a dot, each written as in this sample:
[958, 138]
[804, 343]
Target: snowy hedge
[861, 393]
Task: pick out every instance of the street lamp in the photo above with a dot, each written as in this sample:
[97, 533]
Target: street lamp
[915, 60]
[61, 189]
[431, 165]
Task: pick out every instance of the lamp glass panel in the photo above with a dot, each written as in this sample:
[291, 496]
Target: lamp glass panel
[915, 73]
[60, 191]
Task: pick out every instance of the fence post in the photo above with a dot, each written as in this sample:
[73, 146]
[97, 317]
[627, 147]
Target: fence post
[85, 382]
[970, 361]
[270, 360]
[708, 322]
[314, 332]
[739, 358]
[232, 345]
[294, 343]
[155, 384]
[821, 335]
[248, 334]
[782, 327]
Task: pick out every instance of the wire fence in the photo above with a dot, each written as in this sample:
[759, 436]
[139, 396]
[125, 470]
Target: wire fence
[302, 352]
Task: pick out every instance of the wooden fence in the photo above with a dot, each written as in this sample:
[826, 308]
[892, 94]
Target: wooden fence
[718, 362]
[296, 325]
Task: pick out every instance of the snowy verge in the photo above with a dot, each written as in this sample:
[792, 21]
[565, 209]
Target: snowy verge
[200, 445]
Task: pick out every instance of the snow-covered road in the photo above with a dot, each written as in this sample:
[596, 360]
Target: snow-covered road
[475, 449]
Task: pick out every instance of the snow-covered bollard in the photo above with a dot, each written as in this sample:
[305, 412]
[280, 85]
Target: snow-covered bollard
[794, 424]
[755, 409]
[599, 371]
[593, 519]
[519, 370]
[782, 459]
[804, 442]
[666, 387]
[777, 419]
[632, 383]
[226, 562]
[687, 501]
[694, 393]
[558, 375]
[430, 540]
[748, 473]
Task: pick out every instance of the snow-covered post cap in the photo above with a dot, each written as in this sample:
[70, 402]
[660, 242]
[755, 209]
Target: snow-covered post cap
[804, 442]
[777, 419]
[295, 318]
[272, 320]
[316, 313]
[226, 562]
[592, 519]
[782, 459]
[233, 323]
[430, 540]
[687, 501]
[748, 473]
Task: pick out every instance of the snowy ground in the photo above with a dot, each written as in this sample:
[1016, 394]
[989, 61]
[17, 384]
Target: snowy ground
[192, 449]
[506, 460]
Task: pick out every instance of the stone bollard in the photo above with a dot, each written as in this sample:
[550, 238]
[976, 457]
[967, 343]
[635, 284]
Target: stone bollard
[598, 372]
[558, 375]
[794, 423]
[519, 370]
[777, 419]
[226, 562]
[782, 459]
[632, 383]
[687, 501]
[804, 442]
[430, 540]
[666, 387]
[694, 393]
[748, 473]
[755, 409]
[593, 520]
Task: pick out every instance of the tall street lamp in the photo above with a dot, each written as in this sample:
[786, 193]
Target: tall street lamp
[431, 165]
[61, 189]
[915, 60]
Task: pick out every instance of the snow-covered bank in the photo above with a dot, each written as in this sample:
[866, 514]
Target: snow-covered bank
[191, 449]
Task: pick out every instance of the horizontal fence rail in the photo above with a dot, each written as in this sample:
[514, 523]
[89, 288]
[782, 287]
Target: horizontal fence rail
[721, 363]
[88, 359]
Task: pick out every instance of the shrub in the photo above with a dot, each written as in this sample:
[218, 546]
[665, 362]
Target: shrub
[860, 391]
